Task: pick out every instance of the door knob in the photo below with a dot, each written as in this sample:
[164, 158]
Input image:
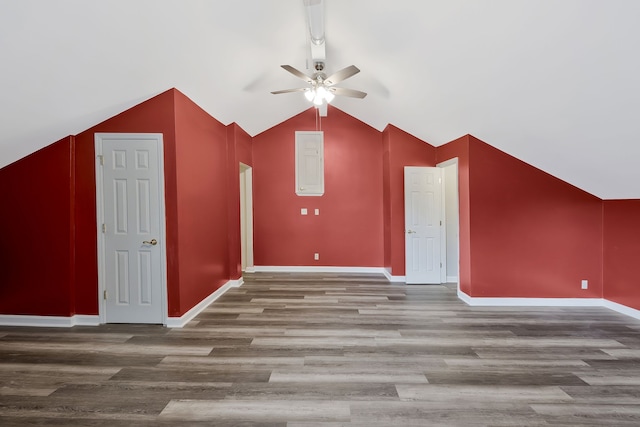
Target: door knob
[153, 242]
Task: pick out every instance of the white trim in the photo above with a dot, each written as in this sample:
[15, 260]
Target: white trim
[158, 137]
[549, 302]
[453, 162]
[530, 302]
[49, 321]
[464, 297]
[443, 226]
[236, 283]
[622, 309]
[179, 322]
[246, 201]
[249, 270]
[86, 320]
[317, 269]
[392, 278]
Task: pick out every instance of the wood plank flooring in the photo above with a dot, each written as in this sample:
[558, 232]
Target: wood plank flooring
[330, 350]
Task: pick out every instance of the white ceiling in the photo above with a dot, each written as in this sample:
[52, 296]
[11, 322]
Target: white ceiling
[554, 83]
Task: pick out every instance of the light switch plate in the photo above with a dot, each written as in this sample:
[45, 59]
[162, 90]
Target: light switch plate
[303, 211]
[317, 211]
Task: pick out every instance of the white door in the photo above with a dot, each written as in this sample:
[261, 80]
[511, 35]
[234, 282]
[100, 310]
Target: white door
[422, 190]
[309, 163]
[131, 227]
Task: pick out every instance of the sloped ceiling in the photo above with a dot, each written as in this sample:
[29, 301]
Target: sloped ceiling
[554, 83]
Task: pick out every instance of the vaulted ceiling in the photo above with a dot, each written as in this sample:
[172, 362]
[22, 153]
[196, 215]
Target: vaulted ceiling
[554, 83]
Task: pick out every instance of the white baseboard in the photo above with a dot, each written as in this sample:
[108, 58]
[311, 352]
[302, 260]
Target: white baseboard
[529, 302]
[49, 321]
[179, 322]
[236, 283]
[549, 302]
[394, 279]
[317, 269]
[452, 279]
[622, 309]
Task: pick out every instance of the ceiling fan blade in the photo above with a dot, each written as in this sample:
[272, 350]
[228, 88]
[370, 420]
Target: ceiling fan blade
[300, 89]
[352, 93]
[297, 73]
[341, 75]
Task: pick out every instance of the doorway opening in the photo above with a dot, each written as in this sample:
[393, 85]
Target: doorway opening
[451, 223]
[246, 218]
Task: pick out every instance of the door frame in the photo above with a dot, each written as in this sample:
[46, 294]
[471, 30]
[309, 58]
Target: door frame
[443, 229]
[246, 218]
[158, 138]
[446, 163]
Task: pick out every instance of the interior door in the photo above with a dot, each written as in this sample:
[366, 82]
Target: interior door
[132, 212]
[423, 192]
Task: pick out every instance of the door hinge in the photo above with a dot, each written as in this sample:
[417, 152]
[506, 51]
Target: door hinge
[104, 294]
[440, 223]
[104, 227]
[440, 267]
[101, 157]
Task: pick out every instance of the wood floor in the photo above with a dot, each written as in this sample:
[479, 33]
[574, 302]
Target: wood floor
[295, 350]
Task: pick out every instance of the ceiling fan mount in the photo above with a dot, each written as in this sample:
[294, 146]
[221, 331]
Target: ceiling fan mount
[321, 89]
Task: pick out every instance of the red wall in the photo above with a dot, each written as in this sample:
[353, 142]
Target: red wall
[401, 149]
[239, 150]
[523, 233]
[202, 192]
[532, 235]
[51, 269]
[349, 229]
[622, 252]
[153, 116]
[36, 233]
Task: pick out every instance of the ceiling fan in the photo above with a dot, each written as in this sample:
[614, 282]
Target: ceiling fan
[321, 88]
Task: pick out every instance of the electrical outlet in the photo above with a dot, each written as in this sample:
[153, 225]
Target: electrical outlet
[585, 284]
[303, 211]
[316, 256]
[317, 211]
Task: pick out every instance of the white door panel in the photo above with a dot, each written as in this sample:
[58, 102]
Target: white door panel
[422, 224]
[309, 165]
[132, 214]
